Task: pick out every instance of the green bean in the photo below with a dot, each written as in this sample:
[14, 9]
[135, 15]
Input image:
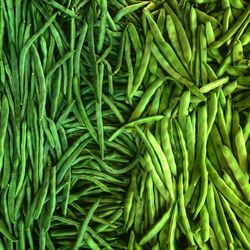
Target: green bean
[245, 37]
[213, 215]
[232, 184]
[111, 22]
[51, 205]
[84, 225]
[213, 241]
[108, 49]
[150, 200]
[134, 36]
[156, 228]
[58, 64]
[42, 83]
[79, 47]
[134, 123]
[11, 196]
[232, 30]
[172, 228]
[203, 54]
[65, 114]
[21, 234]
[84, 118]
[198, 56]
[115, 171]
[41, 196]
[130, 67]
[190, 142]
[110, 78]
[4, 230]
[6, 165]
[99, 111]
[90, 242]
[235, 222]
[5, 208]
[244, 218]
[184, 157]
[63, 9]
[128, 9]
[186, 49]
[193, 28]
[212, 85]
[241, 150]
[3, 126]
[203, 17]
[210, 73]
[152, 5]
[28, 44]
[143, 65]
[215, 153]
[163, 161]
[161, 20]
[241, 102]
[101, 37]
[154, 107]
[245, 230]
[155, 177]
[96, 182]
[194, 89]
[140, 203]
[165, 48]
[246, 129]
[238, 173]
[23, 158]
[115, 216]
[129, 199]
[19, 199]
[229, 88]
[200, 156]
[224, 65]
[173, 36]
[144, 23]
[131, 241]
[237, 4]
[226, 20]
[43, 44]
[166, 145]
[223, 219]
[71, 60]
[145, 99]
[63, 167]
[1, 31]
[225, 190]
[235, 128]
[157, 196]
[113, 108]
[120, 54]
[199, 241]
[11, 20]
[237, 52]
[222, 126]
[183, 213]
[56, 94]
[204, 219]
[98, 238]
[66, 192]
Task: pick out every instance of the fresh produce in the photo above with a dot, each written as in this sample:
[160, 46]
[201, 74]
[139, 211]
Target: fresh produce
[124, 124]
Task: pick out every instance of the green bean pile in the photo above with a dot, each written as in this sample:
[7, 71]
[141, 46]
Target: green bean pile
[124, 124]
